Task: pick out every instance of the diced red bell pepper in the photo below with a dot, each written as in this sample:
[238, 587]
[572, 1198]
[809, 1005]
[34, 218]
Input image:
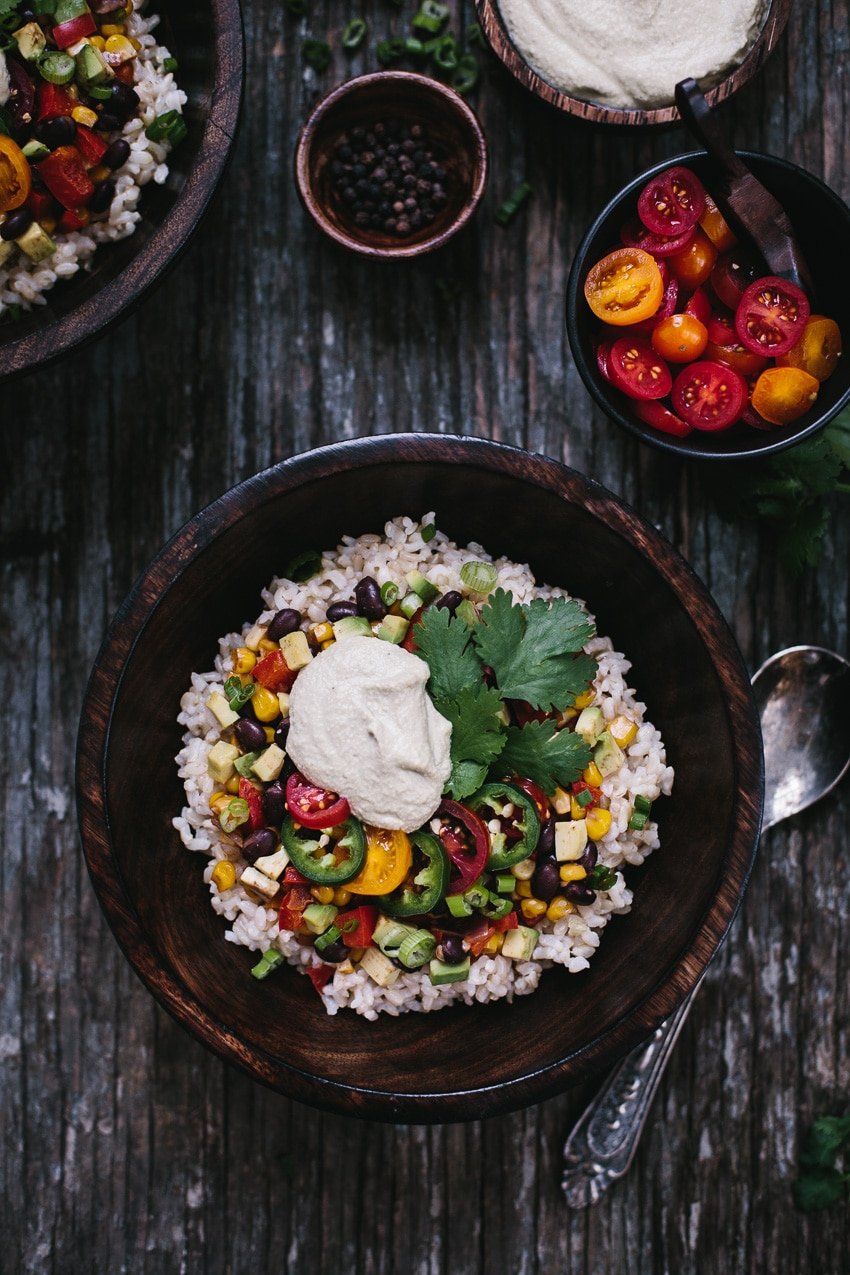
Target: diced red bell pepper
[124, 72]
[581, 786]
[250, 793]
[291, 912]
[362, 921]
[320, 975]
[42, 205]
[53, 101]
[91, 147]
[479, 936]
[64, 174]
[73, 219]
[274, 673]
[68, 33]
[409, 642]
[292, 876]
[503, 923]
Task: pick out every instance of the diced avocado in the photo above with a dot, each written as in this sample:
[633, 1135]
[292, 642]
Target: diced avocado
[35, 150]
[296, 649]
[440, 973]
[254, 880]
[219, 707]
[319, 916]
[409, 605]
[570, 840]
[31, 41]
[608, 755]
[422, 586]
[352, 626]
[272, 865]
[36, 243]
[466, 612]
[379, 968]
[561, 802]
[519, 944]
[7, 248]
[220, 761]
[92, 66]
[244, 765]
[393, 628]
[269, 764]
[590, 725]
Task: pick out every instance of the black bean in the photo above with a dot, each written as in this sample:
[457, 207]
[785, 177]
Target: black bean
[453, 950]
[450, 601]
[102, 197]
[341, 610]
[57, 132]
[578, 892]
[250, 734]
[546, 881]
[274, 803]
[108, 122]
[124, 101]
[546, 844]
[117, 153]
[334, 953]
[282, 733]
[367, 595]
[258, 845]
[588, 859]
[286, 621]
[16, 223]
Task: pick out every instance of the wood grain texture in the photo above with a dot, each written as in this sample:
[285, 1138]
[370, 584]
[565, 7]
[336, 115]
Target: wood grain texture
[126, 1145]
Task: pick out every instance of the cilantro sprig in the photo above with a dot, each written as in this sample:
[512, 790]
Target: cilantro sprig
[822, 1182]
[532, 650]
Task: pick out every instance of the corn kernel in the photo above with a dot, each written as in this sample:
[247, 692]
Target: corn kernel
[341, 896]
[265, 705]
[98, 42]
[523, 889]
[532, 908]
[243, 660]
[592, 775]
[324, 645]
[598, 822]
[268, 731]
[561, 802]
[111, 28]
[232, 785]
[559, 908]
[494, 944]
[118, 49]
[576, 811]
[218, 801]
[623, 731]
[100, 173]
[524, 870]
[585, 700]
[266, 645]
[572, 872]
[320, 632]
[356, 953]
[83, 115]
[137, 44]
[224, 875]
[49, 224]
[322, 893]
[568, 715]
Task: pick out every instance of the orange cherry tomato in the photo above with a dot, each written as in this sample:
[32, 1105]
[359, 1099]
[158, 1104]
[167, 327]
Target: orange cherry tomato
[693, 265]
[717, 227]
[680, 338]
[389, 856]
[15, 175]
[818, 350]
[624, 287]
[782, 394]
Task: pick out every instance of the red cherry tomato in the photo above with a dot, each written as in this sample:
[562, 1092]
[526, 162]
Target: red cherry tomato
[536, 794]
[603, 359]
[680, 338]
[661, 418]
[637, 370]
[694, 264]
[724, 347]
[699, 306]
[250, 792]
[771, 315]
[716, 226]
[669, 302]
[466, 841]
[635, 235]
[732, 275]
[672, 203]
[314, 807]
[709, 396]
[409, 641]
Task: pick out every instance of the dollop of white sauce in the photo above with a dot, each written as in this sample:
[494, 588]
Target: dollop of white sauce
[631, 53]
[363, 725]
[5, 85]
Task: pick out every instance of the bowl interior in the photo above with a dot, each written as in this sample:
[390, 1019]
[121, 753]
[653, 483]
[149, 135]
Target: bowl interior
[822, 225]
[410, 99]
[280, 1023]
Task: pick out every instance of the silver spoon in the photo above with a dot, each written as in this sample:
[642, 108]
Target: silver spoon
[803, 699]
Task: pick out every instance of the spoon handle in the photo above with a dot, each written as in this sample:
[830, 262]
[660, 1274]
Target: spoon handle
[702, 122]
[602, 1145]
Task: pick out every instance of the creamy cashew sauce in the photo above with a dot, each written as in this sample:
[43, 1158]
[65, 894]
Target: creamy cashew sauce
[631, 53]
[362, 724]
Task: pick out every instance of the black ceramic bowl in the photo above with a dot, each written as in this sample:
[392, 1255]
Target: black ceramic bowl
[463, 1062]
[822, 223]
[206, 38]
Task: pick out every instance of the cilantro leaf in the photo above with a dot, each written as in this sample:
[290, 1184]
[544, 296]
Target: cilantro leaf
[837, 437]
[478, 736]
[8, 6]
[443, 642]
[799, 540]
[552, 759]
[819, 1188]
[532, 649]
[820, 1182]
[828, 1135]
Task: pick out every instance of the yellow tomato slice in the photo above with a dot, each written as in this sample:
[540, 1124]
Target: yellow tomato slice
[717, 227]
[782, 394]
[15, 175]
[818, 349]
[624, 287]
[389, 856]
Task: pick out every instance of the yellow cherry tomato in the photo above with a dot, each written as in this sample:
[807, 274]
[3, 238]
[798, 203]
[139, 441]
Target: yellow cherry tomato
[624, 287]
[389, 856]
[782, 394]
[717, 227]
[680, 338]
[15, 175]
[818, 349]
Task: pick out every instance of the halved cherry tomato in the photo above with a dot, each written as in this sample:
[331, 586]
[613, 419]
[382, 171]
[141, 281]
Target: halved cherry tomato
[724, 347]
[661, 418]
[694, 264]
[771, 315]
[536, 794]
[637, 370]
[699, 306]
[409, 642]
[635, 235]
[732, 275]
[603, 359]
[15, 175]
[783, 394]
[250, 792]
[680, 338]
[669, 303]
[314, 807]
[818, 350]
[709, 396]
[273, 672]
[672, 202]
[716, 226]
[389, 855]
[624, 287]
[465, 840]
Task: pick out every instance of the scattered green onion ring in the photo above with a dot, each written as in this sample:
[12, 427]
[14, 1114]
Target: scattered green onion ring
[430, 17]
[269, 961]
[234, 814]
[465, 75]
[354, 34]
[57, 67]
[170, 127]
[390, 51]
[513, 203]
[479, 577]
[389, 593]
[428, 532]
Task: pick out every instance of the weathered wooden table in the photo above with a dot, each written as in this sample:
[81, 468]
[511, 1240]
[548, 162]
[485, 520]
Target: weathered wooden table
[126, 1147]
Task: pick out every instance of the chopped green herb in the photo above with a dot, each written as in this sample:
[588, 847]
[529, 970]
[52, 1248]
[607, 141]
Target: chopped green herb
[238, 692]
[317, 54]
[553, 759]
[478, 736]
[428, 532]
[170, 64]
[509, 209]
[304, 566]
[602, 878]
[443, 642]
[822, 1181]
[354, 34]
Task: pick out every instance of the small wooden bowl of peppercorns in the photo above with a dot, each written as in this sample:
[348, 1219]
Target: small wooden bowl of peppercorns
[392, 164]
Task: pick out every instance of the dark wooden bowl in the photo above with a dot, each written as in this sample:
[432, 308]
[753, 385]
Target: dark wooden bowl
[459, 1063]
[822, 223]
[502, 45]
[206, 38]
[414, 99]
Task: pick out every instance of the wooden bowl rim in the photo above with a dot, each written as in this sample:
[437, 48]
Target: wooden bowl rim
[497, 36]
[688, 448]
[313, 206]
[93, 744]
[115, 299]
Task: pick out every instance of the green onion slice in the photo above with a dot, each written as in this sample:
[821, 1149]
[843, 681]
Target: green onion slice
[237, 692]
[390, 593]
[479, 577]
[317, 54]
[234, 814]
[513, 203]
[57, 68]
[269, 961]
[428, 532]
[431, 16]
[390, 51]
[304, 566]
[416, 949]
[354, 33]
[465, 75]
